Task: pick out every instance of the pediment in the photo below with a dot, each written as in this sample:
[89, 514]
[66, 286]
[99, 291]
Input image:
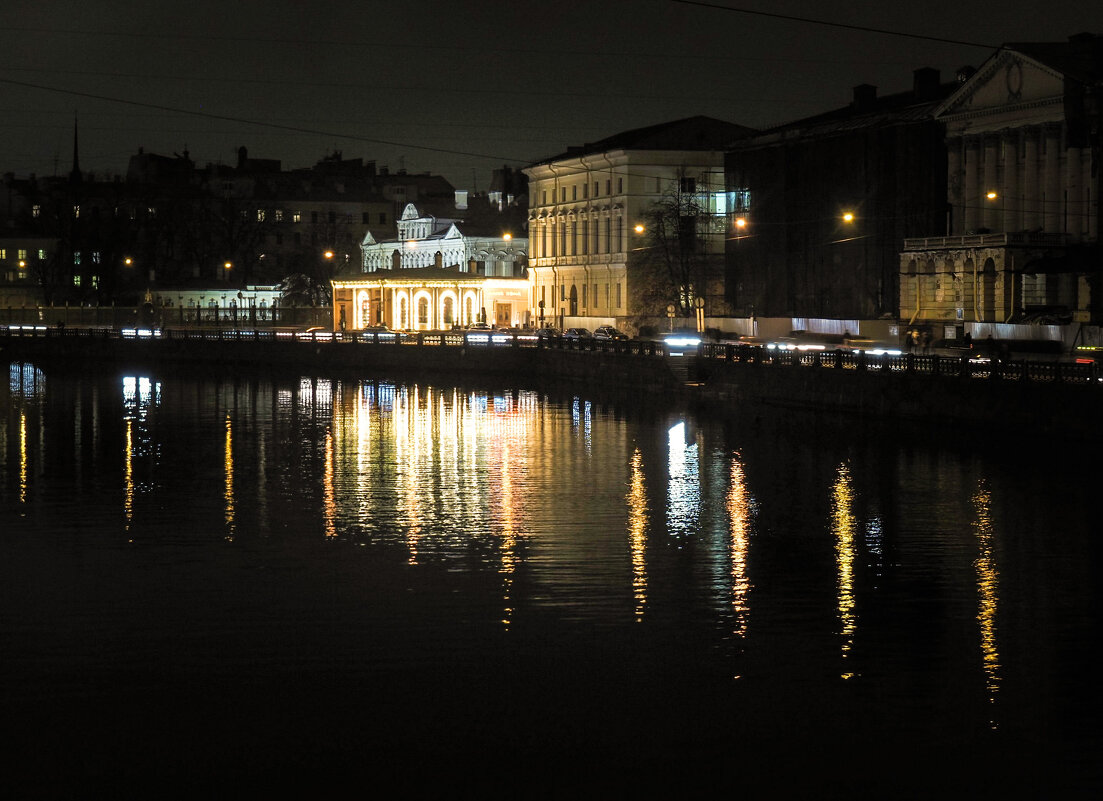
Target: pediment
[410, 212]
[1009, 80]
[368, 239]
[453, 233]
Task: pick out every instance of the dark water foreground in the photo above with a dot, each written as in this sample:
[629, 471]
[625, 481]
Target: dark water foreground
[250, 586]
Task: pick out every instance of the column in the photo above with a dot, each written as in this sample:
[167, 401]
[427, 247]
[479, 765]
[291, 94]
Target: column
[1075, 211]
[971, 193]
[990, 216]
[1032, 190]
[1052, 182]
[1009, 191]
[953, 185]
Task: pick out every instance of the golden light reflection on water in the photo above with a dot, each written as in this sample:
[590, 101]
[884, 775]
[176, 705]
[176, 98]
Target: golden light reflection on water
[228, 468]
[329, 495]
[843, 529]
[637, 531]
[987, 593]
[739, 515]
[128, 476]
[22, 457]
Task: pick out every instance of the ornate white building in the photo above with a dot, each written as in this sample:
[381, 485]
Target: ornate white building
[433, 277]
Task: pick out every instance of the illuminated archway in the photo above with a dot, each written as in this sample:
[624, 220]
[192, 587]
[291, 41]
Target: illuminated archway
[423, 311]
[447, 309]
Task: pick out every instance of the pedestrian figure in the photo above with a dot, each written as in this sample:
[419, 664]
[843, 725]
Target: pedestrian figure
[968, 340]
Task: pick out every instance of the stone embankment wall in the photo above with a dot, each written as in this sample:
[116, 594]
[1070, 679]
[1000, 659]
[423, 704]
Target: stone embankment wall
[998, 406]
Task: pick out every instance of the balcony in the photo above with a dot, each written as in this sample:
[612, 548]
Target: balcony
[1017, 239]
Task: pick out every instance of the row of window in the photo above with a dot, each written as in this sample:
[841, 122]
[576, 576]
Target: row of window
[580, 239]
[21, 254]
[316, 217]
[612, 295]
[585, 191]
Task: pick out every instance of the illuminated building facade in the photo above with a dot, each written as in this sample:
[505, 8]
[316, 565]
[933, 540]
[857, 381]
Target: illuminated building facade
[432, 277]
[1021, 241]
[585, 205]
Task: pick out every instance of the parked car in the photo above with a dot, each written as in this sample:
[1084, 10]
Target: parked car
[577, 333]
[480, 327]
[548, 332]
[609, 332]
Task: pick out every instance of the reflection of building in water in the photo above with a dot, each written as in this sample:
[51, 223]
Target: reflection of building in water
[141, 396]
[844, 528]
[637, 530]
[987, 593]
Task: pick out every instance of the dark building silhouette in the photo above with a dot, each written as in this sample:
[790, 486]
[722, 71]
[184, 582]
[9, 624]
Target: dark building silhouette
[822, 205]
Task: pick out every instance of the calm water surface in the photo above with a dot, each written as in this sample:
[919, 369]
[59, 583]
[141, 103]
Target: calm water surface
[228, 585]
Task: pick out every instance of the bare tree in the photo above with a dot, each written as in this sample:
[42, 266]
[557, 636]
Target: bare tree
[676, 264]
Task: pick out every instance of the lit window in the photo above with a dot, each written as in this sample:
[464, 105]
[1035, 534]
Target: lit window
[95, 282]
[95, 257]
[152, 211]
[76, 280]
[76, 257]
[41, 254]
[76, 211]
[260, 215]
[36, 210]
[3, 254]
[279, 215]
[296, 216]
[22, 254]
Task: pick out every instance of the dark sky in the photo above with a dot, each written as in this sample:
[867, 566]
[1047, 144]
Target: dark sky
[454, 88]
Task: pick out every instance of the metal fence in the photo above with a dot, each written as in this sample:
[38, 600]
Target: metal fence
[965, 366]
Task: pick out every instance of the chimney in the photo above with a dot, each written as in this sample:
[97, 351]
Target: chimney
[925, 82]
[865, 97]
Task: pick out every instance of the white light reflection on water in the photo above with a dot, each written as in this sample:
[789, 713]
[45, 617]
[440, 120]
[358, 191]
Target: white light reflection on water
[843, 528]
[684, 488]
[988, 579]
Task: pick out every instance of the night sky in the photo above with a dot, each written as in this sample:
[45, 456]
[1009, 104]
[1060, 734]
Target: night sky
[453, 88]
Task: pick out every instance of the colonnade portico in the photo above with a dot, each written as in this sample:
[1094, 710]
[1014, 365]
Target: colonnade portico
[1021, 179]
[427, 300]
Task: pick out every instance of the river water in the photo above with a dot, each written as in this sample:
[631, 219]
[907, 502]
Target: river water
[239, 585]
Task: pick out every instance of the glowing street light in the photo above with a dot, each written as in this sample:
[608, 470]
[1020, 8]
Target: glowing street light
[848, 217]
[129, 262]
[740, 222]
[639, 229]
[507, 236]
[328, 255]
[991, 194]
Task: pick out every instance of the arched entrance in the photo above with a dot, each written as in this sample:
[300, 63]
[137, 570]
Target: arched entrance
[574, 301]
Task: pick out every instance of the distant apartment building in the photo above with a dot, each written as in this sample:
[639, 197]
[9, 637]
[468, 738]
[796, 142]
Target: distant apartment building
[1021, 239]
[596, 248]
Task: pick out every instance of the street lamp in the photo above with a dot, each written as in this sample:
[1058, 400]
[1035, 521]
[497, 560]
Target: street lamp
[507, 236]
[848, 216]
[639, 229]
